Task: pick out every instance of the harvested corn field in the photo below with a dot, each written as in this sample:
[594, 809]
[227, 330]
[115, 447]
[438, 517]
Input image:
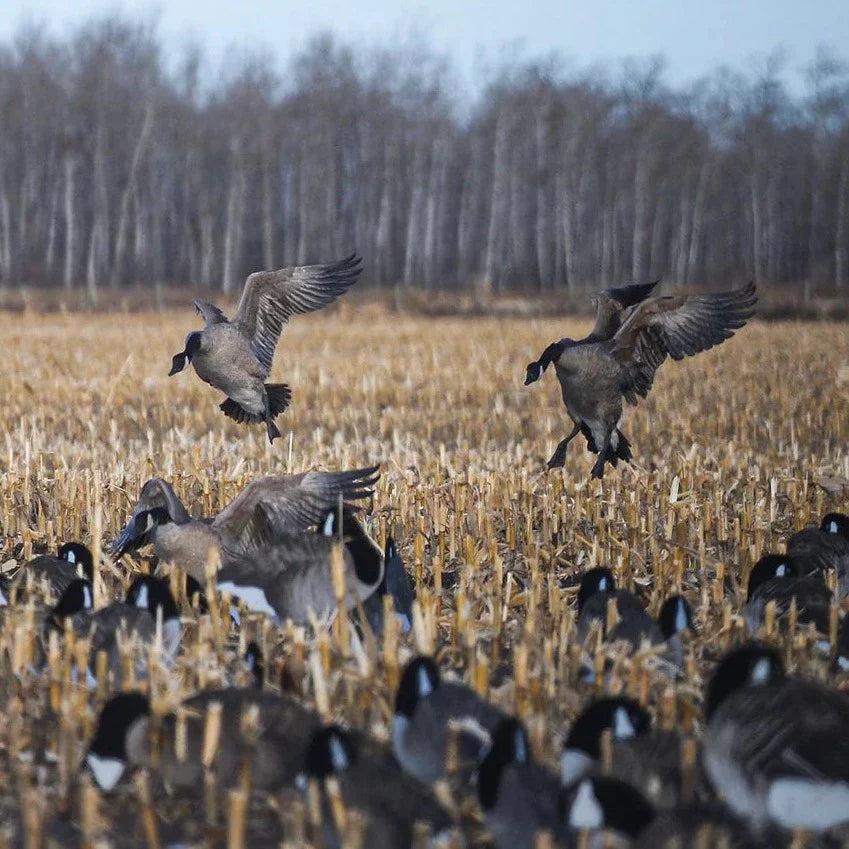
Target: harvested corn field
[733, 451]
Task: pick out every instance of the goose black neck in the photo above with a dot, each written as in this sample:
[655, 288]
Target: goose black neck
[550, 354]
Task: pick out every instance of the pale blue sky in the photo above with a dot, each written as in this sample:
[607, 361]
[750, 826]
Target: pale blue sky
[695, 37]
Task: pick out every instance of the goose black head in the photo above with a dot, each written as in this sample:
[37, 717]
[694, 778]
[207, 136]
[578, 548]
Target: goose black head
[836, 523]
[419, 679]
[623, 718]
[140, 529]
[675, 616]
[80, 556]
[178, 361]
[533, 372]
[107, 754]
[151, 594]
[768, 567]
[509, 745]
[597, 580]
[599, 802]
[78, 596]
[747, 666]
[330, 751]
[253, 661]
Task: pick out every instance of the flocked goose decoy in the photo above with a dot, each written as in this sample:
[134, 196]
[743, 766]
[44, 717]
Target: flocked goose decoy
[391, 801]
[264, 509]
[396, 584]
[55, 573]
[235, 356]
[775, 748]
[597, 374]
[519, 798]
[123, 739]
[294, 577]
[824, 548]
[428, 711]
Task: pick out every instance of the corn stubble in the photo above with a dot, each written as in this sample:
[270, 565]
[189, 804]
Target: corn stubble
[733, 450]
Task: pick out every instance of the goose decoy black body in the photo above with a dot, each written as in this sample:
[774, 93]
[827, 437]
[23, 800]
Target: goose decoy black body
[647, 758]
[55, 573]
[294, 577]
[147, 600]
[235, 356]
[519, 798]
[126, 730]
[391, 801]
[597, 374]
[265, 509]
[776, 747]
[396, 584]
[777, 578]
[601, 804]
[824, 548]
[427, 711]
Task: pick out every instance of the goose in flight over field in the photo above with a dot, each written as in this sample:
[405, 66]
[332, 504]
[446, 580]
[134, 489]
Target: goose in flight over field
[235, 356]
[632, 337]
[266, 508]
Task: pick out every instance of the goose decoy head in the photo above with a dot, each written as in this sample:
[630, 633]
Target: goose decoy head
[78, 596]
[139, 530]
[509, 745]
[623, 718]
[330, 751]
[600, 802]
[253, 661]
[748, 666]
[178, 361]
[80, 556]
[107, 755]
[597, 580]
[768, 567]
[149, 593]
[418, 681]
[836, 523]
[675, 616]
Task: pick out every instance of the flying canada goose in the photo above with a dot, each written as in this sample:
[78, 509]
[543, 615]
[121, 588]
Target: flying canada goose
[428, 711]
[235, 356]
[294, 576]
[824, 548]
[519, 798]
[778, 578]
[391, 801]
[135, 619]
[126, 732]
[396, 584]
[55, 573]
[616, 362]
[264, 509]
[634, 625]
[775, 747]
[646, 758]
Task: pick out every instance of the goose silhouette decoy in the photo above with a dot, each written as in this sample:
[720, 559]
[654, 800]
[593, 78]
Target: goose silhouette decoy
[775, 747]
[427, 711]
[596, 374]
[824, 548]
[392, 801]
[293, 578]
[126, 731]
[519, 798]
[265, 509]
[235, 356]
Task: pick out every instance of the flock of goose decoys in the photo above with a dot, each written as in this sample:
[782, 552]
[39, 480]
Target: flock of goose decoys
[774, 752]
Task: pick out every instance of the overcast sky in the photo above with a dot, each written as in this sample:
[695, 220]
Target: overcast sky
[695, 37]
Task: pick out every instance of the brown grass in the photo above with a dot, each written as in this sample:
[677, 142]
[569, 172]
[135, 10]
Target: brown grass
[733, 450]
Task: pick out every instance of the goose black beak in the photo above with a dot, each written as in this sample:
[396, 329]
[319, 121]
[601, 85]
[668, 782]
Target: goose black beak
[178, 363]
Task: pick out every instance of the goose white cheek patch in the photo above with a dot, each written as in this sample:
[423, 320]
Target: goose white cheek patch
[253, 597]
[406, 625]
[4, 602]
[586, 811]
[802, 802]
[107, 772]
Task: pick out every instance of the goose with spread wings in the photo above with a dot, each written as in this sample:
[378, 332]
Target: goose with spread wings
[235, 356]
[633, 336]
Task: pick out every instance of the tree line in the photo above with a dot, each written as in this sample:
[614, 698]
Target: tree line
[121, 165]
